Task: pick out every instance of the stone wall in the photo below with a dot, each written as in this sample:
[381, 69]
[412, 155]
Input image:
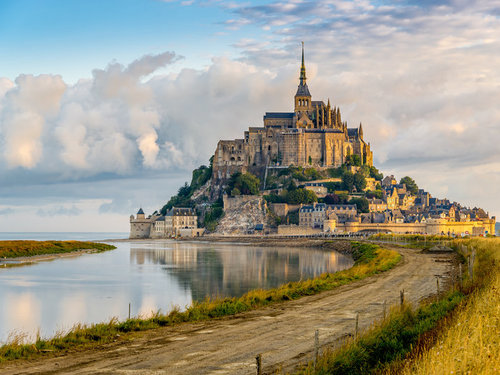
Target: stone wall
[298, 230]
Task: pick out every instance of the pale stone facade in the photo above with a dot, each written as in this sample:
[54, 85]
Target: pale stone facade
[312, 135]
[140, 226]
[177, 222]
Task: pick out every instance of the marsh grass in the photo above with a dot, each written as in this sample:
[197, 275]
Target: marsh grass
[459, 333]
[13, 249]
[369, 259]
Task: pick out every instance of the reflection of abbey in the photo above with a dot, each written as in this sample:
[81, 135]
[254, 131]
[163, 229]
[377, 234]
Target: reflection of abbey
[312, 135]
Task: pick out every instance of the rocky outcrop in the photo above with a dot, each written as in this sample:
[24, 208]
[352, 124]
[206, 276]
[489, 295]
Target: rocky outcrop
[242, 217]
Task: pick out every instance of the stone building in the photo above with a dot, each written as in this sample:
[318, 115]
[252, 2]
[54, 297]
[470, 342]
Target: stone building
[140, 226]
[177, 222]
[312, 135]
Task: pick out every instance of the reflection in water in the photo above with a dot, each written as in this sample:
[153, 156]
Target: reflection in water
[22, 311]
[150, 275]
[229, 270]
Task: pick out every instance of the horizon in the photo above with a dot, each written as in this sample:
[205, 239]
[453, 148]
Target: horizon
[105, 108]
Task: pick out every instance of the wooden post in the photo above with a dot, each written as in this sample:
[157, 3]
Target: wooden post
[385, 307]
[471, 265]
[129, 310]
[402, 297]
[259, 364]
[357, 325]
[460, 274]
[316, 347]
[437, 285]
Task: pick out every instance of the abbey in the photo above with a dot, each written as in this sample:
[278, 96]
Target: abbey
[312, 135]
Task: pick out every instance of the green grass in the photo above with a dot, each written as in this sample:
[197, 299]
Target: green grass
[389, 341]
[13, 249]
[369, 259]
[408, 332]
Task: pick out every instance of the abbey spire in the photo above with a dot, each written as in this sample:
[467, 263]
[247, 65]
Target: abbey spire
[303, 96]
[303, 69]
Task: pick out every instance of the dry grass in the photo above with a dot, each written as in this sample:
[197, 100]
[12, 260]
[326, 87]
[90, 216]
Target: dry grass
[471, 343]
[458, 333]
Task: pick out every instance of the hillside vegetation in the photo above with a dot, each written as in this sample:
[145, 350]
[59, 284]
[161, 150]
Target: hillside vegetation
[13, 249]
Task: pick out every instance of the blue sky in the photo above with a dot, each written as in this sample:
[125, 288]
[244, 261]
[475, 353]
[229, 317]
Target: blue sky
[73, 37]
[108, 105]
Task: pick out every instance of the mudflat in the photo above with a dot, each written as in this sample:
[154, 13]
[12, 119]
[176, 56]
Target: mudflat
[282, 333]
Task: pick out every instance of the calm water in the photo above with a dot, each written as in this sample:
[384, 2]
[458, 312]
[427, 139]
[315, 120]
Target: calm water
[151, 275]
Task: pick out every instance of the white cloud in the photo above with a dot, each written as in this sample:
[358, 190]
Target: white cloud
[422, 77]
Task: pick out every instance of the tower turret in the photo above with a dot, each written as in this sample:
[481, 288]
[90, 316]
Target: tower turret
[360, 131]
[303, 96]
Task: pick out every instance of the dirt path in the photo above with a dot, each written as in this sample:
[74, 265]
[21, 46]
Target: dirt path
[284, 333]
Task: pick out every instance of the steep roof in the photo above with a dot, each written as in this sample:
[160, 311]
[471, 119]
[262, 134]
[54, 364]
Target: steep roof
[140, 212]
[303, 90]
[279, 115]
[352, 132]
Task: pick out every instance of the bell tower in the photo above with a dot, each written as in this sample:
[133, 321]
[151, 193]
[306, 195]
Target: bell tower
[303, 96]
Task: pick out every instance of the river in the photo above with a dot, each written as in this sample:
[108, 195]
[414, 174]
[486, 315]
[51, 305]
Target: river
[50, 297]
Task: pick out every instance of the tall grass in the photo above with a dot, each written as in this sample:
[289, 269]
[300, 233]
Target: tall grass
[465, 342]
[471, 342]
[369, 259]
[387, 341]
[12, 249]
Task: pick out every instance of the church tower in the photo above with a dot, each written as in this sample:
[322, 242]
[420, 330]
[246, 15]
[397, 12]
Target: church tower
[303, 96]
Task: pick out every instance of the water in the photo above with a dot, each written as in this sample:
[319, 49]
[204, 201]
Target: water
[151, 275]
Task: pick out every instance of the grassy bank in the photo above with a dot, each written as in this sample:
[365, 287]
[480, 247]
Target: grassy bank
[369, 259]
[430, 340]
[470, 342]
[14, 249]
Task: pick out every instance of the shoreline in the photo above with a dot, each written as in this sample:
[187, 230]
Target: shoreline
[342, 245]
[20, 261]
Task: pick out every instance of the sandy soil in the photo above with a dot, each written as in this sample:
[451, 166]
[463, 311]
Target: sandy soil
[283, 333]
[19, 261]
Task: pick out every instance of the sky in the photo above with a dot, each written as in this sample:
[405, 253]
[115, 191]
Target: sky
[107, 106]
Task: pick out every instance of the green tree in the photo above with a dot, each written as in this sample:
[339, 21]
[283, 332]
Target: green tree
[343, 198]
[235, 192]
[332, 199]
[184, 190]
[356, 160]
[359, 181]
[361, 204]
[348, 181]
[303, 196]
[246, 183]
[410, 183]
[374, 194]
[374, 173]
[292, 186]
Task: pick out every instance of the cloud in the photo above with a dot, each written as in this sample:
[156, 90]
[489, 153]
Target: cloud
[59, 211]
[422, 77]
[6, 211]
